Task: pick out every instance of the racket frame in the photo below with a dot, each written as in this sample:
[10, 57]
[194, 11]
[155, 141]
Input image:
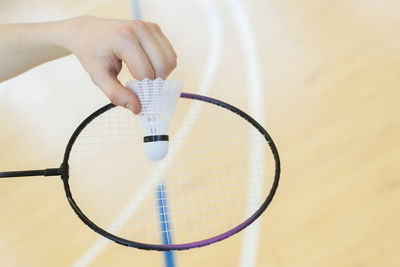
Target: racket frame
[63, 171]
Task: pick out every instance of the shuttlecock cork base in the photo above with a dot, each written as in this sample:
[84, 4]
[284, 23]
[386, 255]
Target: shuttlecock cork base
[156, 146]
[158, 99]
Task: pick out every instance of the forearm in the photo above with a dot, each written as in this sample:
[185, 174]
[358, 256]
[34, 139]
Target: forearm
[24, 46]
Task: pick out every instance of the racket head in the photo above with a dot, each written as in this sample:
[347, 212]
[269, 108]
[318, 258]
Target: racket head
[111, 228]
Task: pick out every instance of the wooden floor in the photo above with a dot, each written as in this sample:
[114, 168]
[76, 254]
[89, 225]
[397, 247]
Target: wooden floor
[331, 74]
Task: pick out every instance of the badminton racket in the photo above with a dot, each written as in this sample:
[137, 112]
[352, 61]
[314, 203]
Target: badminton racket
[220, 175]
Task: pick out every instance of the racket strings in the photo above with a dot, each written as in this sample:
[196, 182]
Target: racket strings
[206, 176]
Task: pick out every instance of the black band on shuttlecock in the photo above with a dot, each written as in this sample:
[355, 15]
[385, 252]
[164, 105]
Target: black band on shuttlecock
[155, 138]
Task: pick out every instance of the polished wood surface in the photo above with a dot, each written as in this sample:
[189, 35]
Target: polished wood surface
[331, 73]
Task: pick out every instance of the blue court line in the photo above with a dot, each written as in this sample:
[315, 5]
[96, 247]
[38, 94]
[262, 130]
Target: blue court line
[165, 227]
[137, 13]
[161, 193]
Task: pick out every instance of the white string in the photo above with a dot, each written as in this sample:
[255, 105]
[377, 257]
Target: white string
[205, 170]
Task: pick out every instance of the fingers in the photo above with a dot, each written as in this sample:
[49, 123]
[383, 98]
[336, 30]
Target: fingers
[118, 94]
[129, 50]
[159, 51]
[164, 43]
[140, 45]
[145, 51]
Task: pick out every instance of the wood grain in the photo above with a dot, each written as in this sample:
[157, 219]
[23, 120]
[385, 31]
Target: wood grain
[331, 71]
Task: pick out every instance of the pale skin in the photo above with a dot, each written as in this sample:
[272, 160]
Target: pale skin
[101, 45]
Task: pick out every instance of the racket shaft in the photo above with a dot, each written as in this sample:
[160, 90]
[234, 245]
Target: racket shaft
[45, 172]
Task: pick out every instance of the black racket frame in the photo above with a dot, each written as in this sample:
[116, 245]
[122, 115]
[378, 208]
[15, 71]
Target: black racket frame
[63, 171]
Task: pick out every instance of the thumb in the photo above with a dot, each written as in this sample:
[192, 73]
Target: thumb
[118, 94]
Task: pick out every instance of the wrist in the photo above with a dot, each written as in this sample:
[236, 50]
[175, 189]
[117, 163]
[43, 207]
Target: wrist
[67, 32]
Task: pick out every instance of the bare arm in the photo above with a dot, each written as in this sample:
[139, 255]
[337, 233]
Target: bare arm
[24, 46]
[101, 45]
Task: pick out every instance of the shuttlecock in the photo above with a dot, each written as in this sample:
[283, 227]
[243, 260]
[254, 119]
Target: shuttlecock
[158, 99]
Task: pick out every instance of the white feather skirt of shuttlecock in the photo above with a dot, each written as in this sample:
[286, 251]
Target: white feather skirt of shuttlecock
[158, 99]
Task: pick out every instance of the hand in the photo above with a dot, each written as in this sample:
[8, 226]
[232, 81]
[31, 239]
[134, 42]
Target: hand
[101, 45]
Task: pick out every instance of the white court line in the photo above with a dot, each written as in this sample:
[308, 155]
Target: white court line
[215, 45]
[249, 252]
